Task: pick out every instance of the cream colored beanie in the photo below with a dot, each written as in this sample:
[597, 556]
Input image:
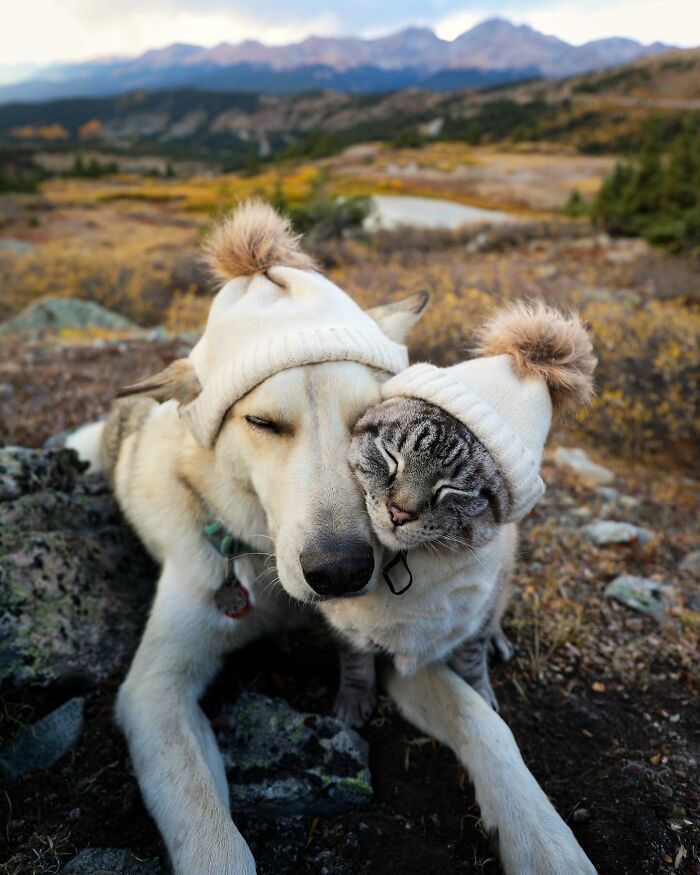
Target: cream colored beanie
[276, 313]
[535, 361]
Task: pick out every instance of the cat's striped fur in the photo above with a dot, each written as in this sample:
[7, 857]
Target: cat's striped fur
[420, 466]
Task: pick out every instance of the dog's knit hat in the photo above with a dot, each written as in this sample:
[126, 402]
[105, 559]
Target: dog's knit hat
[534, 362]
[275, 312]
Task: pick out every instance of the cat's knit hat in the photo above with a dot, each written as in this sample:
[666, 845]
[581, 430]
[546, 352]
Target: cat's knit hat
[533, 362]
[274, 312]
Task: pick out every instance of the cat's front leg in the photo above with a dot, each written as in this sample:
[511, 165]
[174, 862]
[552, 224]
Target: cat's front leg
[499, 645]
[470, 662]
[357, 694]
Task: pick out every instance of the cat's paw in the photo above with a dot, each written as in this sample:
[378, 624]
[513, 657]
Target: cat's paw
[500, 646]
[353, 706]
[485, 690]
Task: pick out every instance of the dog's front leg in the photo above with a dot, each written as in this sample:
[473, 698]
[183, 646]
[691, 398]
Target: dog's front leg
[532, 838]
[175, 756]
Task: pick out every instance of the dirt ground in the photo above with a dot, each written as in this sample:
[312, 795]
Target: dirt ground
[603, 701]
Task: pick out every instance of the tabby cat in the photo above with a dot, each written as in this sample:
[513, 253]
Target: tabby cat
[434, 491]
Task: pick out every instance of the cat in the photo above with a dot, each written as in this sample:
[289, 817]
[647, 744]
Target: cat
[432, 490]
[445, 509]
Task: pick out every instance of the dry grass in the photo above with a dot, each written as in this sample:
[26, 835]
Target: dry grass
[137, 253]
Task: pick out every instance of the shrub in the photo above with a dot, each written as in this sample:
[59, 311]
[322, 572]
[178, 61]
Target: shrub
[575, 206]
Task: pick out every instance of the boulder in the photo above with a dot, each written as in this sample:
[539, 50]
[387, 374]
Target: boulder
[57, 314]
[283, 763]
[576, 460]
[75, 585]
[43, 743]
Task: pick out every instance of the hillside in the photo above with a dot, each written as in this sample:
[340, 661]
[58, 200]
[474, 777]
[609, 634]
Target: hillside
[666, 79]
[598, 112]
[494, 51]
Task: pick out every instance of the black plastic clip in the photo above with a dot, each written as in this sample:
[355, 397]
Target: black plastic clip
[400, 557]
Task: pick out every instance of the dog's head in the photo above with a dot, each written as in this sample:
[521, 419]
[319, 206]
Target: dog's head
[287, 442]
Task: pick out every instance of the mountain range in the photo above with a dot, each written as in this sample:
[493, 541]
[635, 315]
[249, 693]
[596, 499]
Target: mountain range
[493, 52]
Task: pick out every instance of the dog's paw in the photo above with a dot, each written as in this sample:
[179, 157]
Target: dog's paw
[543, 846]
[353, 706]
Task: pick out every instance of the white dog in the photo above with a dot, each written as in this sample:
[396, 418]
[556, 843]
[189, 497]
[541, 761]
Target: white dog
[250, 436]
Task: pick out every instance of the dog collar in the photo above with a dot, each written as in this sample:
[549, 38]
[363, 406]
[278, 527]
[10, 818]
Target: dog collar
[232, 598]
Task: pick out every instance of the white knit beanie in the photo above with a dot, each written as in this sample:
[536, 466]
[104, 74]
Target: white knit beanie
[272, 317]
[534, 360]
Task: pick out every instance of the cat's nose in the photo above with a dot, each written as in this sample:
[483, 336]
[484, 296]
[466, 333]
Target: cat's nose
[399, 516]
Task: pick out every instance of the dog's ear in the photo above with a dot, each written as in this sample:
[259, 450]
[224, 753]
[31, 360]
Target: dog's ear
[398, 318]
[178, 381]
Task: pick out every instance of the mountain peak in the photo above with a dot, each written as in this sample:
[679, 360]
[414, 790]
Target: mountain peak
[411, 56]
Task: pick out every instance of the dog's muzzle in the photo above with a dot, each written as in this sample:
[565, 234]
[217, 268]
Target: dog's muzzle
[334, 567]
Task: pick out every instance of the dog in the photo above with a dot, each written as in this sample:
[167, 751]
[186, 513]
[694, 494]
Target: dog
[274, 472]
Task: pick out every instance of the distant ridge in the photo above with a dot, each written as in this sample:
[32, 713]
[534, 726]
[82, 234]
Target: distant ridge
[493, 52]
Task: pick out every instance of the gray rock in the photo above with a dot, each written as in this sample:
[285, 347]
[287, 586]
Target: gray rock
[281, 762]
[74, 583]
[110, 861]
[609, 493]
[43, 743]
[576, 459]
[691, 563]
[56, 314]
[604, 532]
[641, 594]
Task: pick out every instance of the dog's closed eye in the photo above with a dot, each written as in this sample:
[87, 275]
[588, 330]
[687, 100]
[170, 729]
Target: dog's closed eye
[263, 423]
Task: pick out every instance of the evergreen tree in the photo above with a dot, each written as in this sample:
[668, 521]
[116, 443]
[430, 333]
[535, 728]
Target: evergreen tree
[683, 175]
[657, 196]
[646, 191]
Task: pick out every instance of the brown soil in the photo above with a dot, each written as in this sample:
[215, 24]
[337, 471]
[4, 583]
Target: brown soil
[591, 753]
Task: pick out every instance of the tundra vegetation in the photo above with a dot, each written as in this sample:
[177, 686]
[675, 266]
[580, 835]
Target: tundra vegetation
[603, 700]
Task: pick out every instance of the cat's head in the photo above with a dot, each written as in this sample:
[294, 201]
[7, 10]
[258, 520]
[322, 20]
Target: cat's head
[426, 477]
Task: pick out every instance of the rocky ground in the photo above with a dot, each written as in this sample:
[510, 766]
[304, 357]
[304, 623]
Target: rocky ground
[602, 694]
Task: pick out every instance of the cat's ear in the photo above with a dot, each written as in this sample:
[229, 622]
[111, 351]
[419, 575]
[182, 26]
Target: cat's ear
[398, 318]
[178, 381]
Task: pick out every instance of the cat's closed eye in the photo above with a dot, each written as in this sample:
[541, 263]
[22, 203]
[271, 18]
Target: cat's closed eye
[392, 462]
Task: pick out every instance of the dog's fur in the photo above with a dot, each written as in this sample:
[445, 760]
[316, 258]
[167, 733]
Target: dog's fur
[281, 494]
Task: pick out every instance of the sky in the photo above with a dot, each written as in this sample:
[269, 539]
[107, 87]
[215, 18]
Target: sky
[41, 32]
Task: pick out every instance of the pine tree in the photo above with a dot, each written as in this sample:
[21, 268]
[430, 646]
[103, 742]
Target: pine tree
[647, 186]
[682, 188]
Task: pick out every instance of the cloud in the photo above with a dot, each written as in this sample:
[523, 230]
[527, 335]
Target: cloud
[45, 31]
[676, 22]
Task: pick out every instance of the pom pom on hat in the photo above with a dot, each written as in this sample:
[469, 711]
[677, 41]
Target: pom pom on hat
[547, 343]
[252, 240]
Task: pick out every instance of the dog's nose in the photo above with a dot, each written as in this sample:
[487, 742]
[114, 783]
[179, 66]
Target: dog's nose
[399, 516]
[336, 567]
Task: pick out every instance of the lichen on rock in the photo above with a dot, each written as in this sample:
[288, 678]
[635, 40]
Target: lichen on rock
[282, 762]
[74, 583]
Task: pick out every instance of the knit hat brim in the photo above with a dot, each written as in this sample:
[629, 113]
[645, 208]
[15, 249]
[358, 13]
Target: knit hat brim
[516, 462]
[230, 383]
